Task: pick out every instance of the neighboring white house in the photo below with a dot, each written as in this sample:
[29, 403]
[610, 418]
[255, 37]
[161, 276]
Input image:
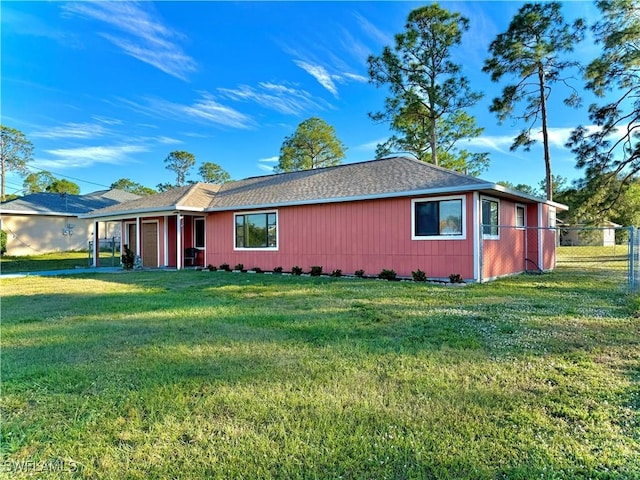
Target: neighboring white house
[48, 222]
[603, 235]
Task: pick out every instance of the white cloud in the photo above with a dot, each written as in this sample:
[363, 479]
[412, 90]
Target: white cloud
[356, 77]
[372, 145]
[498, 143]
[274, 159]
[22, 23]
[167, 140]
[265, 168]
[139, 34]
[372, 31]
[211, 111]
[72, 130]
[88, 156]
[281, 98]
[204, 109]
[320, 74]
[107, 120]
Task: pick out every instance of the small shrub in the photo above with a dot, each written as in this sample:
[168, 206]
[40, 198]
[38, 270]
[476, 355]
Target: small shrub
[239, 266]
[3, 242]
[387, 274]
[257, 269]
[211, 268]
[127, 258]
[296, 270]
[359, 273]
[316, 271]
[456, 278]
[419, 276]
[336, 273]
[225, 267]
[277, 270]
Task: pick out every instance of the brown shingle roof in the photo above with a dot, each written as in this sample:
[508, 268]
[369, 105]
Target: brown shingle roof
[195, 197]
[377, 178]
[388, 177]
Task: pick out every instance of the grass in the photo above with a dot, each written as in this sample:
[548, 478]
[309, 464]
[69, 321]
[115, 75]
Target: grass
[52, 261]
[218, 375]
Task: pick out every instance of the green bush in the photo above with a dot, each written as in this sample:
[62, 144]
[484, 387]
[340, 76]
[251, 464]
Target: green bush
[419, 276]
[387, 274]
[336, 273]
[456, 278]
[3, 242]
[359, 273]
[127, 258]
[225, 267]
[316, 271]
[296, 270]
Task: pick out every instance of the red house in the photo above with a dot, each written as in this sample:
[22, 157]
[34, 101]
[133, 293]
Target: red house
[394, 213]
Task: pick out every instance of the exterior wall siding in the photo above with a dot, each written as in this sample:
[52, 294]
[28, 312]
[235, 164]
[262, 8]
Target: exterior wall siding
[35, 234]
[505, 255]
[370, 235]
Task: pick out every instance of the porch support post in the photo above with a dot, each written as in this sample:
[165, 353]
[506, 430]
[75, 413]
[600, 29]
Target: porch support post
[138, 236]
[178, 241]
[96, 243]
[166, 240]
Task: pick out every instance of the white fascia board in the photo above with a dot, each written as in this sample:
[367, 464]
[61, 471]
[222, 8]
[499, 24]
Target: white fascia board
[409, 193]
[526, 196]
[40, 213]
[139, 212]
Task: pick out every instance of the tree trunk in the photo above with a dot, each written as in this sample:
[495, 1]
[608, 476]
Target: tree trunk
[433, 142]
[3, 173]
[545, 134]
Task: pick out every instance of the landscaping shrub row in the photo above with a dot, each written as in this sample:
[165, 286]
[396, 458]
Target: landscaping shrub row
[317, 270]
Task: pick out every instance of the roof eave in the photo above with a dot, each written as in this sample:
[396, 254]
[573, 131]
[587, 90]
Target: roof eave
[526, 196]
[166, 210]
[41, 213]
[406, 193]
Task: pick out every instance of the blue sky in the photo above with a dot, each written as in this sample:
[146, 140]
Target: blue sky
[106, 90]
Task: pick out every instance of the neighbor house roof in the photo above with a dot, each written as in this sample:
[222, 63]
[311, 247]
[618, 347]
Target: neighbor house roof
[194, 197]
[59, 204]
[384, 178]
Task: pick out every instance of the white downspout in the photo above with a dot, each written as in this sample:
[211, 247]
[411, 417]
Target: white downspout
[179, 242]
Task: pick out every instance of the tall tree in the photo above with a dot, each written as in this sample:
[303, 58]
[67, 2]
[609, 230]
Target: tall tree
[37, 182]
[611, 153]
[63, 186]
[132, 187]
[533, 51]
[314, 144]
[428, 93]
[213, 173]
[180, 162]
[15, 153]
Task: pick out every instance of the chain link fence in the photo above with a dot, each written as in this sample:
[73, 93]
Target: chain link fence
[608, 254]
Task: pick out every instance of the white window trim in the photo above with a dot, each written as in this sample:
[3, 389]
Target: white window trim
[491, 199]
[257, 249]
[524, 217]
[551, 214]
[204, 223]
[439, 199]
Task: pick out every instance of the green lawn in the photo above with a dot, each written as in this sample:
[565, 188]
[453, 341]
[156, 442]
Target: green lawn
[54, 261]
[223, 375]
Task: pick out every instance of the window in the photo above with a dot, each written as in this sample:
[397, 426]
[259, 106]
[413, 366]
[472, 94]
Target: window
[434, 219]
[490, 218]
[198, 232]
[257, 230]
[552, 217]
[520, 218]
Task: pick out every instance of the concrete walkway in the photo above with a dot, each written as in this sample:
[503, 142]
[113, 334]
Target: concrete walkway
[70, 271]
